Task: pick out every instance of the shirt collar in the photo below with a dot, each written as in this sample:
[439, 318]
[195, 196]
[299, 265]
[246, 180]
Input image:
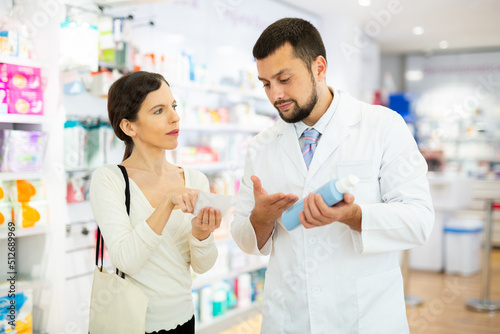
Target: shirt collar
[322, 123]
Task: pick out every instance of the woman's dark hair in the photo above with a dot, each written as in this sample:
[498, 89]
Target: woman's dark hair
[125, 98]
[301, 34]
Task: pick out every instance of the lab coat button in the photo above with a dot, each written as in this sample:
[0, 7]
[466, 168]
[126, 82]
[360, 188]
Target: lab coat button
[316, 289]
[312, 240]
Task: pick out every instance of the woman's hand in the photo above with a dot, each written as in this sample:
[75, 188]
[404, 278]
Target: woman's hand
[185, 198]
[206, 222]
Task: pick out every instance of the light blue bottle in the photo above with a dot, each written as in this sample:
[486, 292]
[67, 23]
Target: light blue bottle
[332, 193]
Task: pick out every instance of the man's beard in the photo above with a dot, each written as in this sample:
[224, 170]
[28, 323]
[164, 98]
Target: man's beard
[298, 113]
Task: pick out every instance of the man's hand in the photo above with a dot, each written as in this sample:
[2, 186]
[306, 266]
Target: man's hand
[267, 209]
[317, 213]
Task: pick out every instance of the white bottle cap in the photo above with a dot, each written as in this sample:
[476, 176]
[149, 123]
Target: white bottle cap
[346, 184]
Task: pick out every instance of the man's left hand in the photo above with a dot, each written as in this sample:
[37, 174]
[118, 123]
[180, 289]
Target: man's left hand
[318, 213]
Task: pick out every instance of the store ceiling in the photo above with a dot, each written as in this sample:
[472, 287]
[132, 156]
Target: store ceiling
[464, 24]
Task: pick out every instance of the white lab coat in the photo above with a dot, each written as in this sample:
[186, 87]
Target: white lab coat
[332, 279]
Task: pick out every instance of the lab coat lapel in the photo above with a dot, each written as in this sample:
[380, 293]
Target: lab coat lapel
[327, 145]
[290, 144]
[347, 115]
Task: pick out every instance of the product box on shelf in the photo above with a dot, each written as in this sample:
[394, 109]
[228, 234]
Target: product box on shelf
[4, 105]
[5, 215]
[5, 186]
[16, 307]
[23, 87]
[27, 190]
[25, 102]
[214, 300]
[197, 155]
[205, 308]
[75, 192]
[9, 43]
[75, 137]
[21, 151]
[29, 214]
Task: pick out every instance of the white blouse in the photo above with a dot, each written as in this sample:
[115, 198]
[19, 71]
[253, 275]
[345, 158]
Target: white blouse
[158, 264]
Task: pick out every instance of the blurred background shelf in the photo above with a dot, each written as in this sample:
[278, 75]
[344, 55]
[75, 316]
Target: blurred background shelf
[22, 119]
[230, 319]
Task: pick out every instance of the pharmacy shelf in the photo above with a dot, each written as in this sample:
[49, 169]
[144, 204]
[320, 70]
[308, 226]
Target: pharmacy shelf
[229, 319]
[255, 94]
[214, 166]
[489, 159]
[26, 232]
[7, 176]
[22, 119]
[208, 279]
[469, 140]
[222, 127]
[19, 61]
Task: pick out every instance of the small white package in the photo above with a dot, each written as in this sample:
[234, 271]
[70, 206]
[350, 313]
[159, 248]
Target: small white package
[216, 201]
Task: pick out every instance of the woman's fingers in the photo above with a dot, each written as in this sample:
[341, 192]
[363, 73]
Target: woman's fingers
[206, 216]
[218, 218]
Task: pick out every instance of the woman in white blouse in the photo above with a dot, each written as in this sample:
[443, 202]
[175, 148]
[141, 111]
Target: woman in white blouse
[156, 245]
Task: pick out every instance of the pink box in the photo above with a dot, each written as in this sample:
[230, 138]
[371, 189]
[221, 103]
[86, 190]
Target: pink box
[25, 102]
[23, 89]
[3, 98]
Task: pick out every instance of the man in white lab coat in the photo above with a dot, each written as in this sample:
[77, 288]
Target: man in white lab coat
[338, 272]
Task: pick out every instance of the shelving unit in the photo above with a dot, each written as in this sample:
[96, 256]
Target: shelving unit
[230, 319]
[39, 255]
[214, 167]
[210, 279]
[26, 232]
[253, 94]
[467, 143]
[22, 119]
[464, 140]
[221, 128]
[6, 176]
[20, 61]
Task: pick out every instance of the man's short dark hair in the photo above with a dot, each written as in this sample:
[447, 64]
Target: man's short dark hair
[301, 34]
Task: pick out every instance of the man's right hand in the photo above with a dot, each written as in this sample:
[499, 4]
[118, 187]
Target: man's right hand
[267, 209]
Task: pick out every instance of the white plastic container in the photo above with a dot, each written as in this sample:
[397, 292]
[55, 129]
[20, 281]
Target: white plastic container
[462, 238]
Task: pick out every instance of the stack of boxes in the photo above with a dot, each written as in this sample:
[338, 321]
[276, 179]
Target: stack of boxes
[20, 90]
[24, 203]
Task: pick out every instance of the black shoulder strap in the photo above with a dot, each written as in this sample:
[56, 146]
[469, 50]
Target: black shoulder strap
[127, 188]
[100, 240]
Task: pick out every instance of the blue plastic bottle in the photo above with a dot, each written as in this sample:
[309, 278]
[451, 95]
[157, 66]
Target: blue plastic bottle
[332, 193]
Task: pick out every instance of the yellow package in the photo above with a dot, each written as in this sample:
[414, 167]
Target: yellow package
[28, 190]
[29, 214]
[5, 215]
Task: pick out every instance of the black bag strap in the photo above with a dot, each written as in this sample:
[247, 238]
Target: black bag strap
[100, 240]
[127, 188]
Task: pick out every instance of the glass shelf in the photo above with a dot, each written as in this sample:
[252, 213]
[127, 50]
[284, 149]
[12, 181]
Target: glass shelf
[22, 119]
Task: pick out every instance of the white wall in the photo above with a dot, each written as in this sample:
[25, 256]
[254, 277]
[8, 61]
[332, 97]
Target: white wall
[353, 58]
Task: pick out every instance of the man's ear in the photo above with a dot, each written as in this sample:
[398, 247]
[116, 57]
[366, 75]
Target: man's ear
[319, 68]
[127, 128]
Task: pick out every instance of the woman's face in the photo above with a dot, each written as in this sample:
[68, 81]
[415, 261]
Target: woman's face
[157, 123]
